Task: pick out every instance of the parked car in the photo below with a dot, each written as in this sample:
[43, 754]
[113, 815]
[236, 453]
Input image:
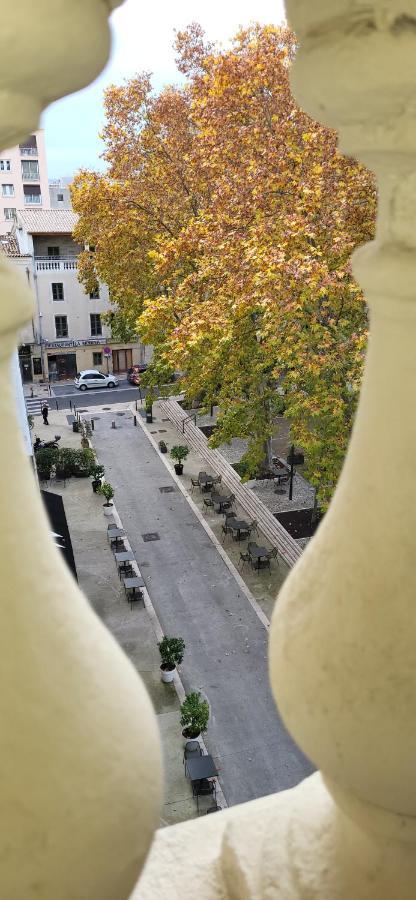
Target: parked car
[92, 378]
[134, 372]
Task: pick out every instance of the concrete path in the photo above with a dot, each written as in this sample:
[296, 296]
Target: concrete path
[196, 597]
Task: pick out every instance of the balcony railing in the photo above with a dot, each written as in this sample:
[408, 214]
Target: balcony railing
[30, 176]
[28, 151]
[33, 198]
[56, 264]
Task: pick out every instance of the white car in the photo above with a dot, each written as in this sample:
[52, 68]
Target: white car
[91, 378]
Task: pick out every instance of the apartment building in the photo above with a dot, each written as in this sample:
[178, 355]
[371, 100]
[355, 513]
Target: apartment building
[23, 179]
[60, 193]
[68, 332]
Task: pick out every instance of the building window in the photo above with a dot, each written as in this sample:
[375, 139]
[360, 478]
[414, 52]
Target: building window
[10, 213]
[30, 170]
[96, 327]
[97, 359]
[61, 326]
[5, 165]
[7, 190]
[37, 365]
[57, 290]
[95, 294]
[60, 198]
[32, 194]
[54, 251]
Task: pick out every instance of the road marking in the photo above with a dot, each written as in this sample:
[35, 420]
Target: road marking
[91, 393]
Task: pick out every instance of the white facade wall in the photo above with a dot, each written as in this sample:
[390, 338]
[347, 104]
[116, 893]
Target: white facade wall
[13, 177]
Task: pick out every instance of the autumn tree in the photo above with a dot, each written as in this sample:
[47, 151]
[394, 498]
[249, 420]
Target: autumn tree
[224, 227]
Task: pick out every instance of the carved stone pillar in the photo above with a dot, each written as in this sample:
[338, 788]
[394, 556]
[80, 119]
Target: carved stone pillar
[79, 748]
[343, 637]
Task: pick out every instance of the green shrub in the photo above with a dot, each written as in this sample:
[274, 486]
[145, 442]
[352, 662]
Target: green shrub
[171, 651]
[179, 452]
[107, 491]
[46, 459]
[194, 715]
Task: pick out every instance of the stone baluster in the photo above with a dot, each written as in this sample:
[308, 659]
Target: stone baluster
[79, 749]
[343, 637]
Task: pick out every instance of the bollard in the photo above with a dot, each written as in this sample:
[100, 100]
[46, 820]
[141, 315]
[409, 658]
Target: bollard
[92, 425]
[135, 420]
[57, 407]
[70, 404]
[113, 424]
[136, 405]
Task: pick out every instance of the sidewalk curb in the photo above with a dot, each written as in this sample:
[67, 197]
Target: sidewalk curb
[159, 633]
[230, 566]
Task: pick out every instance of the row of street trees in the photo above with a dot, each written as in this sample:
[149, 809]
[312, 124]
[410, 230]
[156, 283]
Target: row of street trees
[223, 227]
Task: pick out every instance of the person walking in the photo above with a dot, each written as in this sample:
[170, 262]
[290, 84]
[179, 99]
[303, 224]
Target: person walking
[45, 413]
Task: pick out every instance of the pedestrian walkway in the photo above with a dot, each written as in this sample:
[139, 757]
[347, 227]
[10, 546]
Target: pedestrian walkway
[197, 597]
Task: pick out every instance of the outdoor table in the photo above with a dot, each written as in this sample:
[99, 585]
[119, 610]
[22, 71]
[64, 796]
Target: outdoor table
[122, 559]
[205, 480]
[115, 536]
[199, 767]
[219, 500]
[238, 525]
[131, 585]
[257, 554]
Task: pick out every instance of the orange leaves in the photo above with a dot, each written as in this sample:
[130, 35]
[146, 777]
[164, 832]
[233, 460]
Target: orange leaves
[224, 227]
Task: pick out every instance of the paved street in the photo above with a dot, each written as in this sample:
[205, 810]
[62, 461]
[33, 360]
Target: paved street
[66, 394]
[197, 597]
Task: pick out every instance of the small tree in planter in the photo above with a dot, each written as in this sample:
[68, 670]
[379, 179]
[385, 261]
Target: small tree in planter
[171, 653]
[194, 716]
[108, 492]
[97, 473]
[179, 453]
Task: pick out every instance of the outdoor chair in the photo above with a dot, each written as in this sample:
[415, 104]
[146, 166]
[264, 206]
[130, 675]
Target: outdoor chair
[111, 526]
[217, 479]
[272, 555]
[254, 526]
[61, 475]
[194, 483]
[228, 502]
[203, 788]
[225, 529]
[244, 558]
[208, 502]
[134, 597]
[192, 749]
[230, 515]
[126, 572]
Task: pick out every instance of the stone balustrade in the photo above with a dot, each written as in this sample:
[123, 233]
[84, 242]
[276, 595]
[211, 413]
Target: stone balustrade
[80, 771]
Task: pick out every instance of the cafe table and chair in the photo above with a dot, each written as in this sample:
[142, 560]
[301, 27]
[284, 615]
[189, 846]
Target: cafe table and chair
[123, 560]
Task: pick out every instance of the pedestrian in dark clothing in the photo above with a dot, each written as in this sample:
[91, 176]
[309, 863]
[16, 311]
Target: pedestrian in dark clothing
[45, 413]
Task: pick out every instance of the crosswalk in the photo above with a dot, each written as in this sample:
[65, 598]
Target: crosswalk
[33, 406]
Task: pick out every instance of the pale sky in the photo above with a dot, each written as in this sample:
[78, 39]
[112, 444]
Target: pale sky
[142, 40]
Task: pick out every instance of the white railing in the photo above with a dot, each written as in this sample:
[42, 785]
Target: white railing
[33, 199]
[45, 263]
[30, 176]
[28, 151]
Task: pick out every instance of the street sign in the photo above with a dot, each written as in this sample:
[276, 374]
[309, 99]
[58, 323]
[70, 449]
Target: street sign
[107, 351]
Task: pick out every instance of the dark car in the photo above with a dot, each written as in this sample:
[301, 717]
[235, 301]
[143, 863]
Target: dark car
[134, 372]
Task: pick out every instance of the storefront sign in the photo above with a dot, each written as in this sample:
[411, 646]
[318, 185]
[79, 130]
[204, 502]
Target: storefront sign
[55, 345]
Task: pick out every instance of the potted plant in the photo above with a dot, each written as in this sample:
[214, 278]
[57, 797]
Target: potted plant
[82, 462]
[194, 716]
[179, 453]
[171, 653]
[162, 447]
[46, 460]
[97, 473]
[149, 408]
[108, 492]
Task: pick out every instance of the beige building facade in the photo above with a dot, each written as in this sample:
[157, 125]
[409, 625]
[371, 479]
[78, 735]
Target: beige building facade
[68, 332]
[23, 179]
